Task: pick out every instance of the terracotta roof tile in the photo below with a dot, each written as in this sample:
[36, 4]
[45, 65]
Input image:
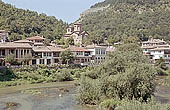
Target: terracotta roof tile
[22, 41]
[41, 49]
[56, 49]
[15, 45]
[77, 49]
[35, 38]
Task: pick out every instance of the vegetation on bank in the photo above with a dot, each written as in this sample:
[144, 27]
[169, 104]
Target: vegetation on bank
[40, 74]
[133, 105]
[126, 79]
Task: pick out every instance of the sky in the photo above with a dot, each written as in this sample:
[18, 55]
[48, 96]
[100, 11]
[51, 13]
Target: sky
[67, 10]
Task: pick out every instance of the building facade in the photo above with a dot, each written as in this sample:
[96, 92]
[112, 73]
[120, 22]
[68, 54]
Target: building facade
[155, 49]
[98, 53]
[3, 36]
[76, 33]
[22, 52]
[32, 51]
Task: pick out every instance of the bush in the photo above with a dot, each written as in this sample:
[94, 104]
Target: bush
[89, 91]
[109, 104]
[6, 74]
[62, 75]
[127, 74]
[136, 105]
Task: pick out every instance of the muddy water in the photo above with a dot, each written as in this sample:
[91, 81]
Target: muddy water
[54, 96]
[162, 92]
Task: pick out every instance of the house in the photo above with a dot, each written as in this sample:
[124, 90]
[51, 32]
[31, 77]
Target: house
[3, 36]
[76, 33]
[21, 51]
[37, 40]
[83, 55]
[47, 55]
[98, 53]
[33, 51]
[155, 49]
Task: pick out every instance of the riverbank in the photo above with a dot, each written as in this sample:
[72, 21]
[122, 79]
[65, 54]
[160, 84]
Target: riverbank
[48, 96]
[39, 74]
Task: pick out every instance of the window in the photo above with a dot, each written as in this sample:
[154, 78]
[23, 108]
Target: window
[79, 53]
[45, 54]
[97, 51]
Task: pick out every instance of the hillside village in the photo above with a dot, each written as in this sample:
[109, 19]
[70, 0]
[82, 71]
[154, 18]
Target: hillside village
[34, 51]
[116, 56]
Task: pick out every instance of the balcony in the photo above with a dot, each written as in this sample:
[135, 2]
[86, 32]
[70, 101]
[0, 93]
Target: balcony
[2, 56]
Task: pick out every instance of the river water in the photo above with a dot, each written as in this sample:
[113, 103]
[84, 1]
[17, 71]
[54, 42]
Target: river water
[54, 96]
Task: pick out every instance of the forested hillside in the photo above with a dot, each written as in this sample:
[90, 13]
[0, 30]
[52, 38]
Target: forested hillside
[128, 18]
[24, 23]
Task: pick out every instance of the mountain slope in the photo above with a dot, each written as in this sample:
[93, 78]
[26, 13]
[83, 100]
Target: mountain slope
[128, 18]
[24, 23]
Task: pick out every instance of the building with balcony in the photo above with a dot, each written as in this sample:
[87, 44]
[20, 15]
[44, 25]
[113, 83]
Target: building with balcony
[82, 55]
[98, 53]
[36, 40]
[155, 49]
[21, 51]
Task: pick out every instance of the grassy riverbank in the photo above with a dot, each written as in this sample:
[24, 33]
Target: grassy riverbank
[40, 74]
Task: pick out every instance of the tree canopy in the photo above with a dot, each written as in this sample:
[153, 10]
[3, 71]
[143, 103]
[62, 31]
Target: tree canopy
[25, 23]
[128, 18]
[126, 74]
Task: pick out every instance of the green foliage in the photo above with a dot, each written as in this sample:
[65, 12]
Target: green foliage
[127, 74]
[10, 58]
[109, 104]
[70, 41]
[161, 67]
[128, 18]
[40, 74]
[88, 91]
[63, 75]
[136, 105]
[66, 57]
[6, 74]
[24, 23]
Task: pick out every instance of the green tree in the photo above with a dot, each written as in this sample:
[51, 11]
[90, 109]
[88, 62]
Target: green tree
[67, 57]
[125, 75]
[10, 59]
[161, 67]
[70, 41]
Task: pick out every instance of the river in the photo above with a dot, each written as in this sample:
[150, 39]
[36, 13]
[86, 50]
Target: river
[53, 96]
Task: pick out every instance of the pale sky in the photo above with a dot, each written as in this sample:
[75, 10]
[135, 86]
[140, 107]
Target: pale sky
[67, 10]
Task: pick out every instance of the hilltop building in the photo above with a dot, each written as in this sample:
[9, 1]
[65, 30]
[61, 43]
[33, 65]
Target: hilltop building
[3, 36]
[76, 33]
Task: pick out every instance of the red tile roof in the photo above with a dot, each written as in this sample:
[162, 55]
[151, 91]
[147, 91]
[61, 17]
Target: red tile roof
[77, 49]
[35, 38]
[15, 45]
[22, 41]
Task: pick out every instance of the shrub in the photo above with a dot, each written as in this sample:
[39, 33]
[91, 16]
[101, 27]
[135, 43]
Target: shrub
[127, 74]
[136, 105]
[88, 92]
[109, 104]
[63, 75]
